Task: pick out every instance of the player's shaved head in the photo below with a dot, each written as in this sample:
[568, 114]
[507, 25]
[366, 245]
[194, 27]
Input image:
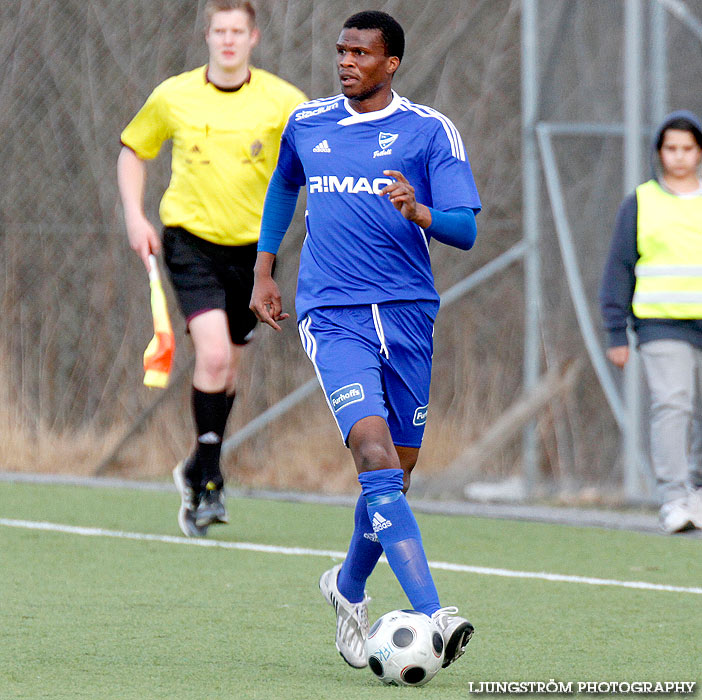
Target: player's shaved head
[389, 28]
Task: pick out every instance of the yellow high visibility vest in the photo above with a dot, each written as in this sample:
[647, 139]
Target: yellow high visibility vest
[669, 240]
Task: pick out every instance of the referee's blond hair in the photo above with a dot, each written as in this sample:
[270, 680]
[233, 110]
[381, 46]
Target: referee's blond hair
[213, 6]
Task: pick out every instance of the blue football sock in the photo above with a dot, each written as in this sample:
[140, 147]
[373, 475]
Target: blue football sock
[364, 552]
[398, 532]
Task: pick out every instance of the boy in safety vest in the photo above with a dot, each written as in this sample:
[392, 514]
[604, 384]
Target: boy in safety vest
[653, 276]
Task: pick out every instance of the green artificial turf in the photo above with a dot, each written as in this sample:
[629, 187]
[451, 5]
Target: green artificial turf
[102, 617]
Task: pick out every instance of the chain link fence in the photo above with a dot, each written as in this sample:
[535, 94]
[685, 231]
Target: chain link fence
[74, 298]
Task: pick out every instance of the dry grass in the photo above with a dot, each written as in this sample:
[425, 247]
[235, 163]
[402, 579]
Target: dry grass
[73, 298]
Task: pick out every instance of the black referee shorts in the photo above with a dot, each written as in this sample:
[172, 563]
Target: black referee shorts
[209, 276]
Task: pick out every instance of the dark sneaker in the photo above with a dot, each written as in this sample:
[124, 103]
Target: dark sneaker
[211, 510]
[456, 632]
[189, 502]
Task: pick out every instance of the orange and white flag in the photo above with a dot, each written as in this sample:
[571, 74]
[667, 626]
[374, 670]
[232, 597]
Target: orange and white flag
[158, 356]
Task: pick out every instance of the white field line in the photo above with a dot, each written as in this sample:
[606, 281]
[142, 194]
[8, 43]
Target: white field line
[304, 551]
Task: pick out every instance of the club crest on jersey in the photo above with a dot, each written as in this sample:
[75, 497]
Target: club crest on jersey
[255, 153]
[341, 398]
[420, 415]
[385, 140]
[256, 148]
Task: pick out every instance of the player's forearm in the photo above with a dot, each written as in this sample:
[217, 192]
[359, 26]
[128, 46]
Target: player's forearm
[131, 176]
[264, 264]
[278, 211]
[455, 227]
[131, 179]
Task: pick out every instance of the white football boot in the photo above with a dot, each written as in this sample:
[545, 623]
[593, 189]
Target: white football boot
[456, 632]
[351, 620]
[675, 516]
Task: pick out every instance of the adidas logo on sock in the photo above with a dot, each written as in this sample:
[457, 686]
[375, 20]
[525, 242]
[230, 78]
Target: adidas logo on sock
[322, 147]
[370, 536]
[380, 523]
[210, 438]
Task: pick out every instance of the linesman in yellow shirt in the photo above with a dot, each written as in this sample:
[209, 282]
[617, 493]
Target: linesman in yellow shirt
[225, 120]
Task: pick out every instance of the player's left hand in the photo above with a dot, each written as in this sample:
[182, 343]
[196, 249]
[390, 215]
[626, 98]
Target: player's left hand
[401, 196]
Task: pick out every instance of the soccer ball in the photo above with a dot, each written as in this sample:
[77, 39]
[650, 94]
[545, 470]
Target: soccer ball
[404, 648]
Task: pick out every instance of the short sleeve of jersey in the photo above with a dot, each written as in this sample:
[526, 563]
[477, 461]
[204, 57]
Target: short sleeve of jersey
[149, 128]
[450, 174]
[289, 164]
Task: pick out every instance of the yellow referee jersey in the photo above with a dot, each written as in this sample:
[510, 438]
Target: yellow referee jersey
[225, 148]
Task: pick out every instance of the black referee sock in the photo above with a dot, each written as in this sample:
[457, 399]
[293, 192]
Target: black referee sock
[210, 411]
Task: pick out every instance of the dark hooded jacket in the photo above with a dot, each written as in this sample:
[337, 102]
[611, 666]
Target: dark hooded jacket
[618, 280]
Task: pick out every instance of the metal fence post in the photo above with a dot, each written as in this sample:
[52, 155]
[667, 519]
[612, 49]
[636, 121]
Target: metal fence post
[633, 29]
[531, 195]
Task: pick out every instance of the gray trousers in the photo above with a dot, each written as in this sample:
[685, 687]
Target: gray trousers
[674, 373]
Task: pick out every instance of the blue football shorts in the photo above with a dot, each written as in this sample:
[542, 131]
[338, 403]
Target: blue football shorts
[373, 360]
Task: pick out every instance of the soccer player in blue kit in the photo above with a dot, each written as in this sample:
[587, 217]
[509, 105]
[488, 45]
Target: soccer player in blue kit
[383, 177]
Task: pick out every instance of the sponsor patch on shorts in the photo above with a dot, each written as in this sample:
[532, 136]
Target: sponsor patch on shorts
[351, 393]
[420, 415]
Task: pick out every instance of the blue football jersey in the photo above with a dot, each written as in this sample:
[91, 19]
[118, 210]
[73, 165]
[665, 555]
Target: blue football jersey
[359, 249]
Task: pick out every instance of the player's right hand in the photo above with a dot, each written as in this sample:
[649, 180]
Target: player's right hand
[618, 355]
[266, 301]
[143, 238]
